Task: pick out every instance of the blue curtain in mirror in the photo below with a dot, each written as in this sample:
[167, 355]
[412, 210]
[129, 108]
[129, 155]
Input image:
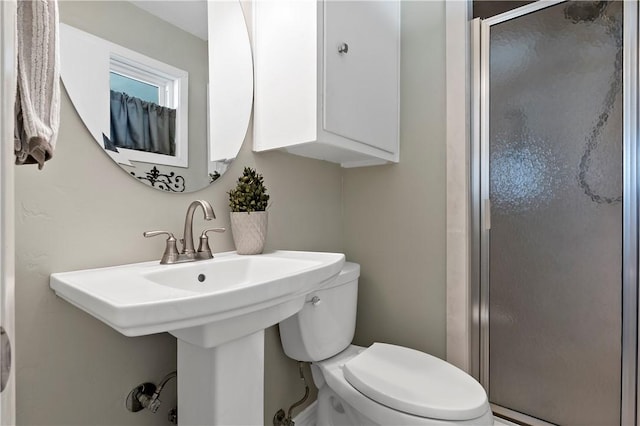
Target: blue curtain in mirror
[142, 125]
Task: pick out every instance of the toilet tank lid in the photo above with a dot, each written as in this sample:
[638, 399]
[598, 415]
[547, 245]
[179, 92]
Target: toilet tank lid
[416, 383]
[350, 272]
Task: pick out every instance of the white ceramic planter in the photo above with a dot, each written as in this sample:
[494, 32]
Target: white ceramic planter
[249, 231]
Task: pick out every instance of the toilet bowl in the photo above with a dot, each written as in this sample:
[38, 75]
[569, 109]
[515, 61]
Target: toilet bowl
[380, 385]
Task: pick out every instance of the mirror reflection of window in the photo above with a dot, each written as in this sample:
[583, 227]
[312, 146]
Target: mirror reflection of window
[142, 117]
[133, 87]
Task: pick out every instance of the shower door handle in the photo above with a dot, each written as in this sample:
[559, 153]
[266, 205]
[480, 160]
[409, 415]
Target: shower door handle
[487, 214]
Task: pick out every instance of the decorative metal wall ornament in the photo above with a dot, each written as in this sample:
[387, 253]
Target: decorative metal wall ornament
[166, 182]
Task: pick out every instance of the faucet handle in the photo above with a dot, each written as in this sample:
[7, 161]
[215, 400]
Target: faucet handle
[155, 233]
[204, 233]
[170, 254]
[204, 251]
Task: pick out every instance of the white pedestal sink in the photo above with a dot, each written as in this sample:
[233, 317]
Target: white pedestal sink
[222, 385]
[218, 309]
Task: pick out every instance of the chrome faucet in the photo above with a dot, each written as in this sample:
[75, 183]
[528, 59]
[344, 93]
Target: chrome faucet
[187, 241]
[188, 253]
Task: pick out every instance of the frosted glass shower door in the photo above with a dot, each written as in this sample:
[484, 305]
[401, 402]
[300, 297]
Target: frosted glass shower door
[552, 271]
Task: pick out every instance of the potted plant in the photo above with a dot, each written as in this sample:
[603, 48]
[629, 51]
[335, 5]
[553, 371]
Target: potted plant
[248, 203]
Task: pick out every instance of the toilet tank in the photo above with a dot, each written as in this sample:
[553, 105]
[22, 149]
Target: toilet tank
[327, 322]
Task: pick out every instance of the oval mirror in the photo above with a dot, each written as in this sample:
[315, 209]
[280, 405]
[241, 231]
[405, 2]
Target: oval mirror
[164, 87]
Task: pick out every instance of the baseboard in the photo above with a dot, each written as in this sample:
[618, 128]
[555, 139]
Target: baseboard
[307, 417]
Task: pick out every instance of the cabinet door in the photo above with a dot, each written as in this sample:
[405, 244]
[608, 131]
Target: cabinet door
[361, 85]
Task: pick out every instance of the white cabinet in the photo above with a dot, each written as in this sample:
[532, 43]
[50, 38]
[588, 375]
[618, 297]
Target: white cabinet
[327, 79]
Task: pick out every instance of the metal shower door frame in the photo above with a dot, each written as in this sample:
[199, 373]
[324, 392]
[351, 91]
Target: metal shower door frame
[481, 219]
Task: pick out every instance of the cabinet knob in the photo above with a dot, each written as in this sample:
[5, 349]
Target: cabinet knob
[343, 48]
[315, 301]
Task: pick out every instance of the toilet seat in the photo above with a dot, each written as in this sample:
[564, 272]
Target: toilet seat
[332, 372]
[415, 383]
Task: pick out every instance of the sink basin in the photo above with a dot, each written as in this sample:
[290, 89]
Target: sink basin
[205, 303]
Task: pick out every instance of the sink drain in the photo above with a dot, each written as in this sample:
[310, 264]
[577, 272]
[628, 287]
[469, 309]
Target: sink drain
[202, 277]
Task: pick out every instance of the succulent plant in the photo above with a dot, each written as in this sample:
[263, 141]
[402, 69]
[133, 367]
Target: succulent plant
[250, 194]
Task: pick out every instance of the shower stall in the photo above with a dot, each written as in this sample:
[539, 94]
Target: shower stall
[556, 216]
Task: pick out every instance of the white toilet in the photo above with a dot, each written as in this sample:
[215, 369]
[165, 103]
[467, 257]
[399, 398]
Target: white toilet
[379, 385]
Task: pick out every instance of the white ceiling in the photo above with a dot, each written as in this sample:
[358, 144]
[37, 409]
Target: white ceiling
[190, 15]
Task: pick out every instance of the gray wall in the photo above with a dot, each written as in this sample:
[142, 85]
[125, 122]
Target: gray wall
[394, 215]
[82, 211]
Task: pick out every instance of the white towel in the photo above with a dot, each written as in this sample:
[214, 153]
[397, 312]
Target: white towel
[37, 108]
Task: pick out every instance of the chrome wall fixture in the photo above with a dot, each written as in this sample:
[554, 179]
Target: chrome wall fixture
[279, 419]
[147, 395]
